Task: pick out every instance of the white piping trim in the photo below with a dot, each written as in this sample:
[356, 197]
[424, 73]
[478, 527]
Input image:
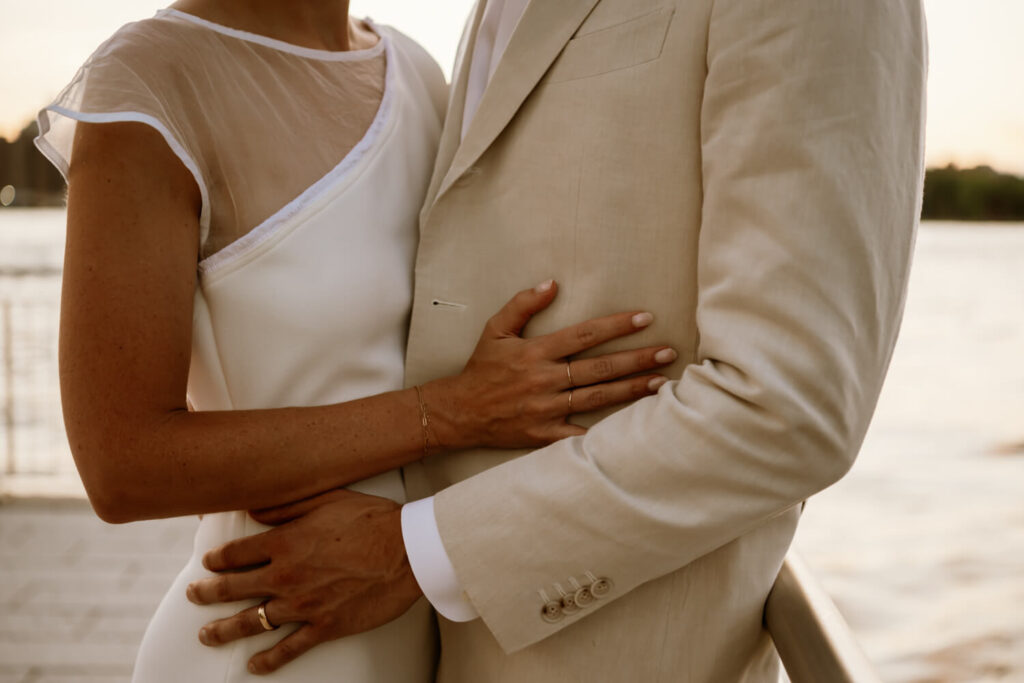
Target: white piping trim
[61, 163]
[271, 226]
[312, 53]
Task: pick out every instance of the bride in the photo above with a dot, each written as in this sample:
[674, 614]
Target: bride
[244, 179]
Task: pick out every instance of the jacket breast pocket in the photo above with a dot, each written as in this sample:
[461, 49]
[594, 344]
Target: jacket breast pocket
[623, 45]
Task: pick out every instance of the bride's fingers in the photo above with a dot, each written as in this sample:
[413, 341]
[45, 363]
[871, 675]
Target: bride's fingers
[564, 430]
[286, 650]
[230, 587]
[603, 368]
[585, 335]
[514, 315]
[597, 396]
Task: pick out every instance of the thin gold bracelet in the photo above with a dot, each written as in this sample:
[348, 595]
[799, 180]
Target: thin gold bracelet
[424, 421]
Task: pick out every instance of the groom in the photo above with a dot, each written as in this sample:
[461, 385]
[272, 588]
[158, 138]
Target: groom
[748, 170]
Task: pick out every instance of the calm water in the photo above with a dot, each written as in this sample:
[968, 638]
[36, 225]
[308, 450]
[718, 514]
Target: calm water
[922, 545]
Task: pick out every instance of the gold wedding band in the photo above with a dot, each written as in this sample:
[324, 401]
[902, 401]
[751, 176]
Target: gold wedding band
[570, 400]
[568, 371]
[262, 614]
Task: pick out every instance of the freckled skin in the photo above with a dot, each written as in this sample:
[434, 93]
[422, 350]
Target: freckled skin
[126, 326]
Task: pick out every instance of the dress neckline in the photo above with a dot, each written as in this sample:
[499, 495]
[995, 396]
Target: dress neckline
[283, 46]
[384, 118]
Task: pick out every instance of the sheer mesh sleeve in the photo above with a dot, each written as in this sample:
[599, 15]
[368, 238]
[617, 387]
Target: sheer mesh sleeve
[258, 122]
[116, 84]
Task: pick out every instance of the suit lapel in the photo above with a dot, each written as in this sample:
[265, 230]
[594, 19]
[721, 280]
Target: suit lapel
[450, 134]
[543, 31]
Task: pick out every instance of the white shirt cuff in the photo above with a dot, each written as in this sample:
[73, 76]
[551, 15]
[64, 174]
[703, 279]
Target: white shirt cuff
[430, 562]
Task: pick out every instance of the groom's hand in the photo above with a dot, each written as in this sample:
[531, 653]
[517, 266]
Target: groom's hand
[337, 565]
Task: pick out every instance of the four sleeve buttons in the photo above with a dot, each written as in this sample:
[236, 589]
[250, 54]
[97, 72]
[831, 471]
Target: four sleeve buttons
[579, 597]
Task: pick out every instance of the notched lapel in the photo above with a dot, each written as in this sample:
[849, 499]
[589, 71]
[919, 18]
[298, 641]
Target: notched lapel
[452, 129]
[543, 31]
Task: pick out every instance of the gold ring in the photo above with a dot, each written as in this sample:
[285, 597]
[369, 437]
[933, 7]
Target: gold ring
[568, 371]
[570, 400]
[262, 614]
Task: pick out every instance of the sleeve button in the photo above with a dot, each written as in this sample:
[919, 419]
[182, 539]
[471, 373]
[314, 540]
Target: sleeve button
[552, 612]
[569, 605]
[583, 596]
[601, 587]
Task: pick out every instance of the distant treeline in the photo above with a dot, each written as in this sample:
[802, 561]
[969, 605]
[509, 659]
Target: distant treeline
[972, 194]
[950, 193]
[34, 179]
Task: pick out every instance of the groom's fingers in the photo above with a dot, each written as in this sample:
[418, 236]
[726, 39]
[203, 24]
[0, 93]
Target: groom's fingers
[242, 625]
[231, 587]
[283, 514]
[242, 552]
[247, 623]
[285, 651]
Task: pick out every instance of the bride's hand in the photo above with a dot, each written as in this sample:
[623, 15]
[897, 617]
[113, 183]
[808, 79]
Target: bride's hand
[516, 392]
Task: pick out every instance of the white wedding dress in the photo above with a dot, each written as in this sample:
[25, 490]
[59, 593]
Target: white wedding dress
[305, 305]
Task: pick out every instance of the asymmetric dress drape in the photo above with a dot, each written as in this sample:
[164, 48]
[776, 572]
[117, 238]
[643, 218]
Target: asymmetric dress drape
[308, 306]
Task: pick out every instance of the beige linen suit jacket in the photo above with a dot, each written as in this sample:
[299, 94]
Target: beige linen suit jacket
[749, 171]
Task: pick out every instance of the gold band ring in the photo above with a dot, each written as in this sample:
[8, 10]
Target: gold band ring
[262, 614]
[570, 400]
[568, 372]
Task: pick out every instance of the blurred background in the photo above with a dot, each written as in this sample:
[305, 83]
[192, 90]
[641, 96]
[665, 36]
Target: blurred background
[921, 546]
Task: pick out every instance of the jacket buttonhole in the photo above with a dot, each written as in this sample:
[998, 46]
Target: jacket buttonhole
[439, 303]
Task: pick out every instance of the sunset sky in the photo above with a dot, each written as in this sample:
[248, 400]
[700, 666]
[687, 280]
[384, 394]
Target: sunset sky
[976, 96]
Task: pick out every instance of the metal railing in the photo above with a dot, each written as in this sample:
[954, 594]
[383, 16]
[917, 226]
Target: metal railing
[811, 636]
[32, 440]
[7, 346]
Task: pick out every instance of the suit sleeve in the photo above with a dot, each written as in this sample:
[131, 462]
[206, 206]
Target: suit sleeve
[812, 142]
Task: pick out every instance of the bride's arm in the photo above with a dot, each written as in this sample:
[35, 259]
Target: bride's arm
[125, 341]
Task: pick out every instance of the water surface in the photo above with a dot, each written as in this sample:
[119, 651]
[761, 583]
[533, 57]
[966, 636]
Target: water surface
[921, 545]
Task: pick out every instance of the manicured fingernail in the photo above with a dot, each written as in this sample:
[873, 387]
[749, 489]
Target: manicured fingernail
[252, 668]
[544, 286]
[666, 355]
[656, 383]
[642, 319]
[204, 636]
[190, 593]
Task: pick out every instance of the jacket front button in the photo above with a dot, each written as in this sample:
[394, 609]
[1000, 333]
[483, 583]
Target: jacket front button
[601, 587]
[552, 612]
